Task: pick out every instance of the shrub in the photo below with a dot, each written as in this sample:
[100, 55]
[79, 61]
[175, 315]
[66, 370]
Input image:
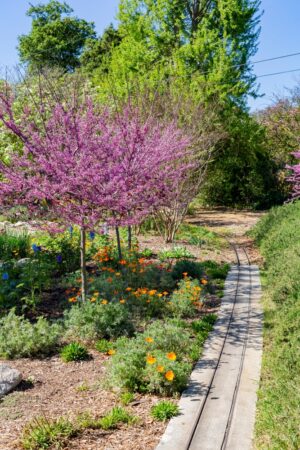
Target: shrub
[185, 300]
[192, 268]
[128, 368]
[126, 398]
[103, 345]
[92, 321]
[74, 352]
[20, 338]
[164, 410]
[42, 433]
[14, 245]
[175, 253]
[116, 416]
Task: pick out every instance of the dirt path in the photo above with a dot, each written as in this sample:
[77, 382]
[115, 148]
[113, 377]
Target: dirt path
[233, 225]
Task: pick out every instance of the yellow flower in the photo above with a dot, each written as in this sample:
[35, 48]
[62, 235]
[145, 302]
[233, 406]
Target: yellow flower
[153, 292]
[165, 293]
[150, 359]
[122, 301]
[111, 352]
[93, 299]
[117, 274]
[159, 295]
[169, 375]
[73, 299]
[149, 340]
[160, 369]
[171, 356]
[104, 302]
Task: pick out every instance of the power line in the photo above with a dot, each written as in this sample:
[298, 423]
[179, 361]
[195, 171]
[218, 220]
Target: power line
[278, 73]
[276, 57]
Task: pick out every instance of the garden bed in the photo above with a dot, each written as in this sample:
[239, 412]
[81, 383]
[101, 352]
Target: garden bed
[139, 335]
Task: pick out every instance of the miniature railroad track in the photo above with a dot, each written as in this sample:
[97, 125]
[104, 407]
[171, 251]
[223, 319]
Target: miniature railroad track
[218, 408]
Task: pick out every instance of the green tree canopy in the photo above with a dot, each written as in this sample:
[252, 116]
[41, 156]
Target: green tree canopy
[207, 42]
[97, 52]
[56, 38]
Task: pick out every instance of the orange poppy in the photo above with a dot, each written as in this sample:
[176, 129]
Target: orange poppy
[169, 375]
[171, 356]
[150, 359]
[149, 340]
[160, 369]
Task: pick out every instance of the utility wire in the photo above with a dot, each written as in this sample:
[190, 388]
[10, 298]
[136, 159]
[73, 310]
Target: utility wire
[277, 73]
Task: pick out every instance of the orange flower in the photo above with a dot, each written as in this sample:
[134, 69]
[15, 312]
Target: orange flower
[204, 281]
[128, 289]
[169, 375]
[153, 292]
[109, 279]
[171, 356]
[73, 299]
[90, 280]
[111, 352]
[165, 293]
[185, 274]
[122, 301]
[123, 262]
[150, 359]
[104, 302]
[149, 340]
[160, 369]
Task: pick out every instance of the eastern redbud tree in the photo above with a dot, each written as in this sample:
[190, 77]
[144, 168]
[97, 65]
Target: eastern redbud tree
[85, 164]
[294, 178]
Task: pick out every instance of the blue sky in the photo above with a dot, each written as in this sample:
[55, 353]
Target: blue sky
[280, 35]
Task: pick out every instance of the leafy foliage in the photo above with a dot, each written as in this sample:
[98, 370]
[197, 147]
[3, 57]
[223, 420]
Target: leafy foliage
[42, 433]
[56, 38]
[164, 410]
[74, 352]
[91, 321]
[19, 338]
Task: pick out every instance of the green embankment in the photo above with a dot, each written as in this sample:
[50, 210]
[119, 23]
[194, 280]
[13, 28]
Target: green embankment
[278, 415]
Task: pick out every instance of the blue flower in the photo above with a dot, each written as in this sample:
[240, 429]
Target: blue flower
[59, 259]
[5, 276]
[92, 235]
[36, 248]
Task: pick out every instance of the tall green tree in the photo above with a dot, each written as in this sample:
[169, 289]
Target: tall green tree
[208, 43]
[56, 38]
[97, 52]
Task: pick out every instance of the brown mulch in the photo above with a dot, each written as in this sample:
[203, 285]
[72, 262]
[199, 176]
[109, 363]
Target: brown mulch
[55, 393]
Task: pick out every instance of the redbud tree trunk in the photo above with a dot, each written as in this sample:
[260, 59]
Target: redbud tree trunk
[83, 264]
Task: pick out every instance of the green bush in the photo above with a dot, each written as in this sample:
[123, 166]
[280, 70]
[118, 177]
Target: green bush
[74, 352]
[14, 245]
[192, 268]
[130, 369]
[20, 338]
[126, 398]
[88, 322]
[42, 433]
[164, 410]
[278, 235]
[186, 299]
[176, 252]
[116, 416]
[103, 346]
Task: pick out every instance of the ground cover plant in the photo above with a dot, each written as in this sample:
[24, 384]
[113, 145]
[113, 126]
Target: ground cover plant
[277, 424]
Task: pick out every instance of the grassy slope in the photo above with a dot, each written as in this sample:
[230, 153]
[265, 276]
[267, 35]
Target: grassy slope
[278, 416]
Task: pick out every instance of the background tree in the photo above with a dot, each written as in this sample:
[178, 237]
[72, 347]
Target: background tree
[97, 52]
[56, 38]
[206, 42]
